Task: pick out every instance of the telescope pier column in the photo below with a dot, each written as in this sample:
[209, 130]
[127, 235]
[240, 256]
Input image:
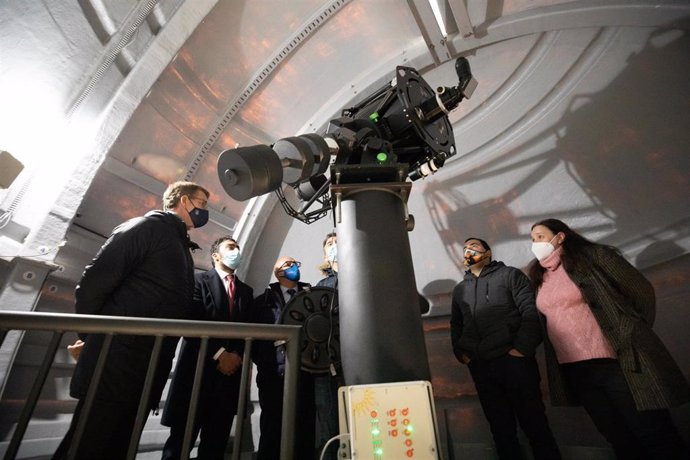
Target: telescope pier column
[381, 333]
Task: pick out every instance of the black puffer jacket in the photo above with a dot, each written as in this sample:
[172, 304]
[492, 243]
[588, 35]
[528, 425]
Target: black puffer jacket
[144, 269]
[493, 313]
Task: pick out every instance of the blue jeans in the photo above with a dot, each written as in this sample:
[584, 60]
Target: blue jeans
[326, 398]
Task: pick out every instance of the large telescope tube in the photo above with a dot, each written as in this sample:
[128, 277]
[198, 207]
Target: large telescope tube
[246, 172]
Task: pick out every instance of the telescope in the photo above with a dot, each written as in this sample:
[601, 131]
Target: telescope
[400, 131]
[360, 167]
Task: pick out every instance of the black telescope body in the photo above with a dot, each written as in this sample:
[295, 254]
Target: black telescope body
[399, 132]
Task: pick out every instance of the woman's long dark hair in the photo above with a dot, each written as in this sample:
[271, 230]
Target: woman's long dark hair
[575, 257]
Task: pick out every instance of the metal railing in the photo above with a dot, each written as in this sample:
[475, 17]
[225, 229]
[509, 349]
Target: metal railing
[159, 328]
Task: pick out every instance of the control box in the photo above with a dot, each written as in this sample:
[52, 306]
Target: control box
[388, 421]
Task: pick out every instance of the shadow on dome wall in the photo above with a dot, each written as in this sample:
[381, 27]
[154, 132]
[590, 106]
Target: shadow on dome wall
[626, 147]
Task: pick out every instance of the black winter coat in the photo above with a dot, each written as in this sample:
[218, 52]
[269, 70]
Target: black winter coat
[493, 313]
[144, 269]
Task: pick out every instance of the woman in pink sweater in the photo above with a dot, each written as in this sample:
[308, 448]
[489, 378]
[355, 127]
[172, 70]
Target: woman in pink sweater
[600, 349]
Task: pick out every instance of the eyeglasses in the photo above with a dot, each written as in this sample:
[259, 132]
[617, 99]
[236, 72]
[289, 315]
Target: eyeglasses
[289, 264]
[203, 201]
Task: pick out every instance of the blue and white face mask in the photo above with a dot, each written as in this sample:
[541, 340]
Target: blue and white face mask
[332, 254]
[232, 258]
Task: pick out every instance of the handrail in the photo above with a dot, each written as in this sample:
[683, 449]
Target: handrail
[103, 324]
[60, 323]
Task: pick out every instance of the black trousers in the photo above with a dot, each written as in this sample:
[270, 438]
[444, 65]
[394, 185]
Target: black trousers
[603, 391]
[508, 388]
[109, 428]
[271, 402]
[216, 410]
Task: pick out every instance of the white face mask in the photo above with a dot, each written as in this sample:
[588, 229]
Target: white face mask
[543, 250]
[232, 258]
[332, 254]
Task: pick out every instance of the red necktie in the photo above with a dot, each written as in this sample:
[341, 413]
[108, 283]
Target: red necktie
[231, 292]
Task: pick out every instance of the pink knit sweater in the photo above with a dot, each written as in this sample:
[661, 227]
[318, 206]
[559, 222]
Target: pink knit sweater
[570, 324]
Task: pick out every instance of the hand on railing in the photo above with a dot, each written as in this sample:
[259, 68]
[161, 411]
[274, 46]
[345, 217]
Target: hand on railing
[229, 363]
[75, 349]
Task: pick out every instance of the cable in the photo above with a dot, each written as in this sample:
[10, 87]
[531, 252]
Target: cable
[325, 447]
[332, 369]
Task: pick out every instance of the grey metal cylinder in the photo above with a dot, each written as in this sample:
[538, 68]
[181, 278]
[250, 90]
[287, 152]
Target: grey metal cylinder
[381, 334]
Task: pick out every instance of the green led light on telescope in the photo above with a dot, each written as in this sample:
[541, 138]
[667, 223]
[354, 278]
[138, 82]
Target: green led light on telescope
[381, 156]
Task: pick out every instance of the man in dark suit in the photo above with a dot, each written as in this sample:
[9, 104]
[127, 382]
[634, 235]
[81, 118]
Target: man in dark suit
[218, 296]
[270, 362]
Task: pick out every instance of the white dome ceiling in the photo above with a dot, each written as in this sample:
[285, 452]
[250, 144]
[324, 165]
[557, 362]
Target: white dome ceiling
[581, 113]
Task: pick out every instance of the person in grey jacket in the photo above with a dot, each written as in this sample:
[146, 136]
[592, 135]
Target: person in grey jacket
[494, 331]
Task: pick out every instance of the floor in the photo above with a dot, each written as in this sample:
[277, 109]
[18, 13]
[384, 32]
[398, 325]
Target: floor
[465, 434]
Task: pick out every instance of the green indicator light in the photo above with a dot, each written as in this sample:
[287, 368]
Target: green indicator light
[378, 451]
[410, 428]
[376, 432]
[374, 117]
[381, 157]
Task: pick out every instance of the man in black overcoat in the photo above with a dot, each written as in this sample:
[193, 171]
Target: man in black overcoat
[144, 269]
[218, 296]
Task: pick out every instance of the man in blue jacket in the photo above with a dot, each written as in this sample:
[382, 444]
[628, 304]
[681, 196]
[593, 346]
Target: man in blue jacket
[494, 331]
[144, 269]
